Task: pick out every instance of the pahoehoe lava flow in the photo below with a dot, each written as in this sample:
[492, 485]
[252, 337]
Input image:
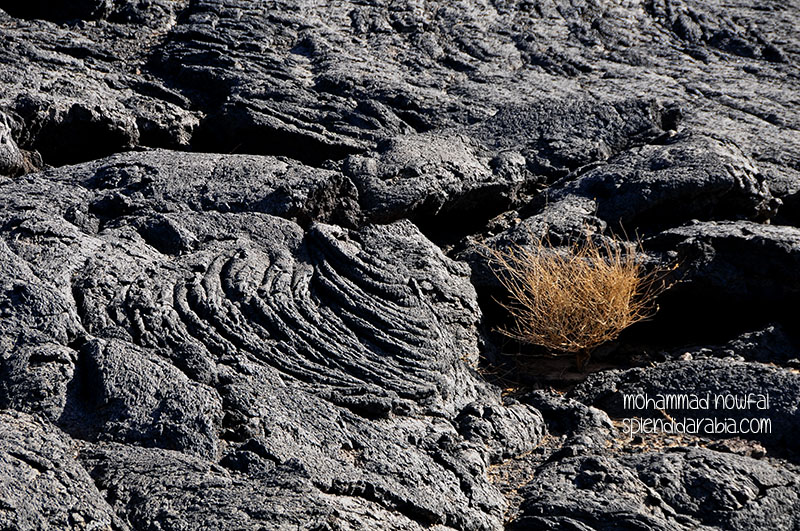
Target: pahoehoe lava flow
[245, 284]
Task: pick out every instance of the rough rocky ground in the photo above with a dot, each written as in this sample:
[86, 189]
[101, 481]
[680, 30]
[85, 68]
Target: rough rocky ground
[242, 284]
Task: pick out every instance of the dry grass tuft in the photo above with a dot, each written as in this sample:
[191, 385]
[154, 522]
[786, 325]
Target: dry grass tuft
[572, 300]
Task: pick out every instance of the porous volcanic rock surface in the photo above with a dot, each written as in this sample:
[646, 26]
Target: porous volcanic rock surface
[244, 279]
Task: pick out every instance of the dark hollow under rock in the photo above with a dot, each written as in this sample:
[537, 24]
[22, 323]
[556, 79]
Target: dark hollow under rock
[773, 343]
[58, 11]
[75, 91]
[742, 272]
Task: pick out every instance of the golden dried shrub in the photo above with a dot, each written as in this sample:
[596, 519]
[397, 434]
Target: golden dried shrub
[572, 299]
